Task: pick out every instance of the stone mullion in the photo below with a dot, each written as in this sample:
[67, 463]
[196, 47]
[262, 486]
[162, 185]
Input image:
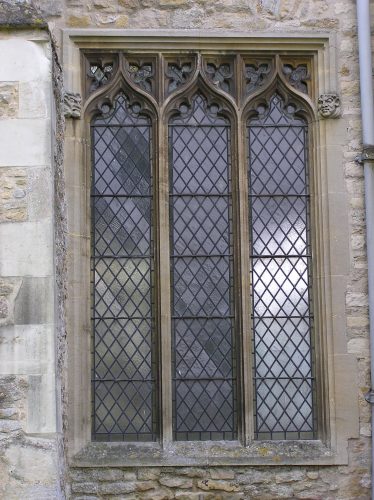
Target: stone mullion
[243, 285]
[162, 188]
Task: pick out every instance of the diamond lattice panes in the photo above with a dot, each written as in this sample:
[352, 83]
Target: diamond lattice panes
[280, 270]
[123, 385]
[204, 406]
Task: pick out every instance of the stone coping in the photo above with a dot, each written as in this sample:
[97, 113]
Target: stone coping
[20, 15]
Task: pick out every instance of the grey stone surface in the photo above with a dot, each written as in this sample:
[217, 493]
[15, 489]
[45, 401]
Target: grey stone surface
[20, 14]
[50, 8]
[34, 303]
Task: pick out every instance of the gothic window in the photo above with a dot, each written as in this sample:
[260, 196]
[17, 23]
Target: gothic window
[202, 322]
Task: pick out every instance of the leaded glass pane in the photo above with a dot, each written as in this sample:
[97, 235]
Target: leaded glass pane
[280, 272]
[123, 382]
[204, 371]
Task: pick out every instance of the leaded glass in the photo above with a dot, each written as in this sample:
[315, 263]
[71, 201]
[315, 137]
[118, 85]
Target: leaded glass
[123, 381]
[204, 368]
[281, 274]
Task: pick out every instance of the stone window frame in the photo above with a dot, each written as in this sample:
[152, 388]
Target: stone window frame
[338, 417]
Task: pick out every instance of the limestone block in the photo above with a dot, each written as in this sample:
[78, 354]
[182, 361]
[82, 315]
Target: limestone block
[105, 19]
[25, 142]
[35, 302]
[222, 474]
[41, 402]
[312, 475]
[106, 5]
[175, 482]
[26, 249]
[49, 8]
[184, 495]
[192, 472]
[359, 346]
[31, 464]
[79, 21]
[357, 300]
[122, 21]
[173, 3]
[34, 99]
[146, 485]
[84, 487]
[288, 477]
[116, 488]
[27, 349]
[358, 321]
[210, 484]
[9, 289]
[7, 426]
[13, 201]
[8, 99]
[40, 193]
[23, 60]
[145, 474]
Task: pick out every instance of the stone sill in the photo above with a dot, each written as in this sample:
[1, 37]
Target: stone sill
[208, 453]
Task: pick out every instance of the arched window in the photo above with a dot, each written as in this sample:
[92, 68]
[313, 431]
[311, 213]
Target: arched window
[122, 256]
[281, 253]
[182, 286]
[202, 309]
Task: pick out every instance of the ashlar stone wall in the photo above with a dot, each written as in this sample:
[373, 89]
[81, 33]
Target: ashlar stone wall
[28, 448]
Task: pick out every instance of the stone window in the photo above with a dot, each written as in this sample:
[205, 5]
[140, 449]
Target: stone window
[200, 254]
[238, 293]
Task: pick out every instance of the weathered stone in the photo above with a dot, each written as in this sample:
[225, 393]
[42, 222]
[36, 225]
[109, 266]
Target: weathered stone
[222, 474]
[146, 485]
[34, 302]
[13, 202]
[9, 425]
[109, 475]
[359, 346]
[357, 299]
[175, 482]
[20, 14]
[84, 487]
[357, 321]
[33, 464]
[122, 21]
[312, 475]
[190, 495]
[145, 474]
[79, 21]
[173, 3]
[210, 484]
[8, 99]
[130, 4]
[104, 5]
[116, 488]
[4, 307]
[254, 477]
[84, 497]
[49, 8]
[10, 413]
[288, 477]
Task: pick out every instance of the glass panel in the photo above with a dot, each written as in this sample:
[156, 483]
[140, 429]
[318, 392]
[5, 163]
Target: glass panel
[123, 385]
[280, 272]
[122, 226]
[204, 399]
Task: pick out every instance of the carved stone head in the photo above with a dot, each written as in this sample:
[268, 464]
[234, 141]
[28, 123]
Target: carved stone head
[72, 105]
[329, 105]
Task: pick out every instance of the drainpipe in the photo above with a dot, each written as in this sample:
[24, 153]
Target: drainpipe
[367, 158]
